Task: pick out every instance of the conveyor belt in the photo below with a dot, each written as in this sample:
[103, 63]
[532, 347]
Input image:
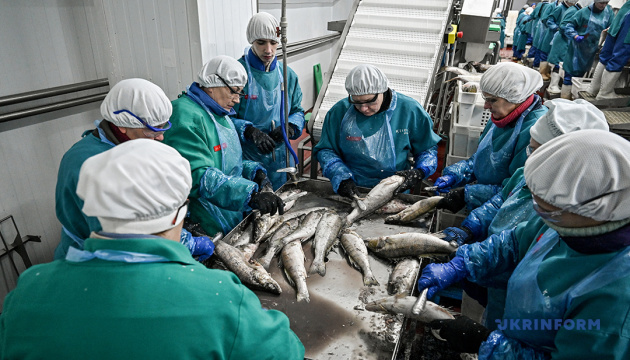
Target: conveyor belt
[402, 37]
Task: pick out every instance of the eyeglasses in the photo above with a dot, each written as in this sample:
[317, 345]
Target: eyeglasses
[232, 91]
[489, 99]
[179, 208]
[529, 150]
[155, 132]
[550, 215]
[370, 101]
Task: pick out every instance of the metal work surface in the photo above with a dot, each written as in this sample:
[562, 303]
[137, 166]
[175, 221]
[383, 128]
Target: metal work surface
[329, 326]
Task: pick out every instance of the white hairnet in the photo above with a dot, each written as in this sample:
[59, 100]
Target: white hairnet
[585, 3]
[511, 81]
[525, 6]
[601, 1]
[579, 166]
[366, 79]
[529, 10]
[227, 68]
[565, 116]
[262, 26]
[136, 187]
[143, 98]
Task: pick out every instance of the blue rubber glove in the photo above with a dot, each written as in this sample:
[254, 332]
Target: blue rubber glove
[437, 277]
[204, 247]
[579, 38]
[444, 183]
[462, 235]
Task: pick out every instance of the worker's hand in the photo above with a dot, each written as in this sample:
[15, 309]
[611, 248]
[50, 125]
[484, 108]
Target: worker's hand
[412, 177]
[204, 247]
[276, 134]
[263, 142]
[444, 183]
[454, 201]
[578, 38]
[267, 203]
[347, 188]
[461, 235]
[463, 334]
[438, 277]
[261, 179]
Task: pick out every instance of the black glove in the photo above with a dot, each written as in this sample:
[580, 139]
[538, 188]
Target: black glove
[260, 178]
[347, 188]
[267, 202]
[276, 134]
[462, 334]
[412, 177]
[263, 141]
[454, 201]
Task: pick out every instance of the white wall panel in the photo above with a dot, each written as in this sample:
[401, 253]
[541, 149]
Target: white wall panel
[223, 26]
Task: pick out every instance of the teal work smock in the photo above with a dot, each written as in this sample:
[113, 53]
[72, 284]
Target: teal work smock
[194, 135]
[101, 309]
[68, 205]
[551, 20]
[560, 41]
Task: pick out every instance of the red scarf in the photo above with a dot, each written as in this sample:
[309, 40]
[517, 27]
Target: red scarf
[514, 114]
[117, 133]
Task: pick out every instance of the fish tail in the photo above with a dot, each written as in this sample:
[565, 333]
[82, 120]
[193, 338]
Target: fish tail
[369, 280]
[317, 267]
[303, 297]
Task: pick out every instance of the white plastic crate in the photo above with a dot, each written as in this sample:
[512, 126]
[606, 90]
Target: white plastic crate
[579, 84]
[471, 111]
[452, 159]
[463, 140]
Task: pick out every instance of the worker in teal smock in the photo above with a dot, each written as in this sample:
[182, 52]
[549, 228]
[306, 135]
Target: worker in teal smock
[584, 29]
[613, 56]
[533, 28]
[559, 45]
[542, 30]
[259, 117]
[133, 109]
[370, 136]
[513, 205]
[134, 292]
[568, 295]
[498, 15]
[551, 20]
[224, 185]
[509, 93]
[520, 36]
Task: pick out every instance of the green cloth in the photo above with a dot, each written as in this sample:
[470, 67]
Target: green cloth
[68, 205]
[560, 42]
[194, 135]
[112, 310]
[618, 22]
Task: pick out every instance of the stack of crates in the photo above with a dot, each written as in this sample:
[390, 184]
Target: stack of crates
[468, 121]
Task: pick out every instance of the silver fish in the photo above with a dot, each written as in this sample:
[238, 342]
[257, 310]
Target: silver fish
[274, 245]
[394, 206]
[376, 198]
[409, 244]
[248, 250]
[416, 210]
[402, 304]
[262, 224]
[306, 229]
[250, 273]
[402, 278]
[293, 263]
[243, 237]
[325, 236]
[299, 213]
[358, 255]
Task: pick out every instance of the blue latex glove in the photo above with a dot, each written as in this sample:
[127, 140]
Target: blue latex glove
[461, 235]
[444, 183]
[437, 277]
[204, 247]
[579, 38]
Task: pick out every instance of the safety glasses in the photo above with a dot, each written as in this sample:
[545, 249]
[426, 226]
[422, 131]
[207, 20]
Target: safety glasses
[155, 132]
[362, 102]
[232, 91]
[490, 99]
[529, 150]
[178, 209]
[551, 215]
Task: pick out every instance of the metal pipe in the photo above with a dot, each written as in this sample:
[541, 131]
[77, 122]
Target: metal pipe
[283, 31]
[300, 49]
[51, 107]
[54, 91]
[307, 41]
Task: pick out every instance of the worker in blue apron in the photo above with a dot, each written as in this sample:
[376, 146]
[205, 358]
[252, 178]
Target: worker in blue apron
[259, 114]
[509, 90]
[133, 109]
[372, 134]
[569, 289]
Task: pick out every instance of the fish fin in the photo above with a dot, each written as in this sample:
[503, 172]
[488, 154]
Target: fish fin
[370, 281]
[289, 279]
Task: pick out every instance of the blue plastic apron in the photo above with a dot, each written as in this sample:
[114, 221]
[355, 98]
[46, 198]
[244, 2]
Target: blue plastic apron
[371, 158]
[526, 301]
[493, 167]
[75, 255]
[584, 51]
[261, 108]
[515, 210]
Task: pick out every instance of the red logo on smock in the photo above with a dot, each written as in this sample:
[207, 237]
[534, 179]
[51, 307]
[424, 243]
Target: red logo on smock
[253, 97]
[219, 147]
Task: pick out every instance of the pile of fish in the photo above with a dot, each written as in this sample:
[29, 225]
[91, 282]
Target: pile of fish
[283, 236]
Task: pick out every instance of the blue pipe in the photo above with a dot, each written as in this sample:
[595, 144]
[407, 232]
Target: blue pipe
[284, 130]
